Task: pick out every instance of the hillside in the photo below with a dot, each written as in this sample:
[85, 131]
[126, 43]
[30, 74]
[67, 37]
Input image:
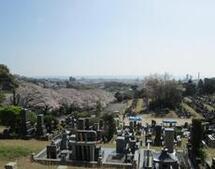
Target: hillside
[32, 95]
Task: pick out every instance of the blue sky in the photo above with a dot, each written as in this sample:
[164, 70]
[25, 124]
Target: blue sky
[108, 37]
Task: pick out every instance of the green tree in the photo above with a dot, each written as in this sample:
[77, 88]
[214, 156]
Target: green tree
[196, 137]
[118, 96]
[209, 85]
[7, 80]
[200, 87]
[163, 92]
[10, 116]
[190, 88]
[110, 126]
[98, 108]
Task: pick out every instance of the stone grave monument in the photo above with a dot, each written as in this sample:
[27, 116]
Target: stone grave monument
[41, 130]
[169, 139]
[27, 130]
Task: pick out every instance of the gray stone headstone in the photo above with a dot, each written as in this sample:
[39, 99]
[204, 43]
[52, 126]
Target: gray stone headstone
[64, 142]
[120, 145]
[81, 124]
[169, 139]
[26, 128]
[51, 151]
[41, 130]
[87, 124]
[158, 132]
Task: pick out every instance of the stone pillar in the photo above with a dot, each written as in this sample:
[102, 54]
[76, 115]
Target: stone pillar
[51, 151]
[73, 155]
[158, 131]
[120, 145]
[87, 124]
[169, 139]
[92, 153]
[81, 124]
[41, 131]
[82, 153]
[64, 142]
[23, 122]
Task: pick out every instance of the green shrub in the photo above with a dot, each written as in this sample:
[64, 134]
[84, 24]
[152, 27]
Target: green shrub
[13, 152]
[83, 114]
[10, 116]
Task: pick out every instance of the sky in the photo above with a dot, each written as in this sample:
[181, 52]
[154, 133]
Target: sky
[108, 37]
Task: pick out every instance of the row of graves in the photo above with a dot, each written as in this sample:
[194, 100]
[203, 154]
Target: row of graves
[27, 130]
[199, 106]
[208, 134]
[182, 113]
[208, 100]
[80, 144]
[169, 136]
[77, 146]
[127, 152]
[165, 137]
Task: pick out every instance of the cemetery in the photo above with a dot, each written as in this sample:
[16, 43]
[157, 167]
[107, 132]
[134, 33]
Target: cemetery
[137, 144]
[158, 126]
[81, 146]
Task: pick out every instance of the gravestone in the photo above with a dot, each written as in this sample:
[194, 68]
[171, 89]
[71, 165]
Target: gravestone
[83, 146]
[63, 156]
[169, 139]
[120, 145]
[52, 151]
[158, 131]
[132, 144]
[87, 124]
[64, 142]
[27, 130]
[41, 130]
[117, 121]
[81, 124]
[131, 124]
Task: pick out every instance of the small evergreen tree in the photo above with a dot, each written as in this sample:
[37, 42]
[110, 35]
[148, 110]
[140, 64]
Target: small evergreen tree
[110, 126]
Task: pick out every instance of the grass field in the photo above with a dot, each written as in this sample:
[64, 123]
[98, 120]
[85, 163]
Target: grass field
[140, 106]
[129, 103]
[20, 151]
